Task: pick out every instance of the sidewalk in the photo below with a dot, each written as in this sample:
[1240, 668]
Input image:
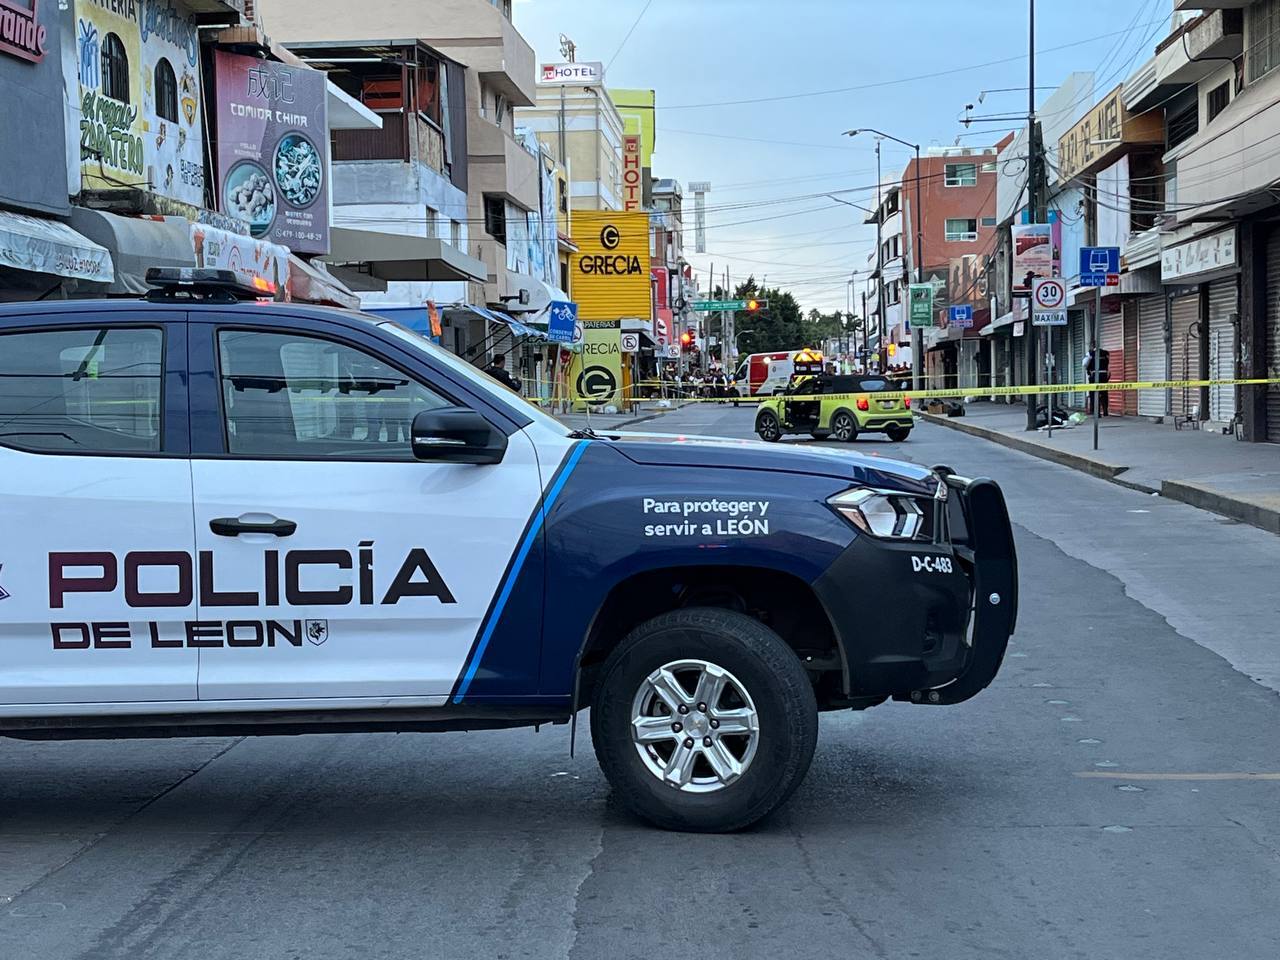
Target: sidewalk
[646, 411]
[1199, 467]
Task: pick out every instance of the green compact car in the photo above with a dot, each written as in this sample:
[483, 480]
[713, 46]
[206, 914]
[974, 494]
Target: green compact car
[822, 407]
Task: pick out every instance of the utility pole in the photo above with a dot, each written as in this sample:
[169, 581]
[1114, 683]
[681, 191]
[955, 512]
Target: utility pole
[1037, 204]
[882, 346]
[917, 335]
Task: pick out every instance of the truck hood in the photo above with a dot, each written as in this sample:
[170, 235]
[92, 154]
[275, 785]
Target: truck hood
[681, 450]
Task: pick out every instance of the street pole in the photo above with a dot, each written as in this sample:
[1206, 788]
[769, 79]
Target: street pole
[1033, 182]
[917, 335]
[882, 347]
[564, 162]
[1097, 372]
[866, 334]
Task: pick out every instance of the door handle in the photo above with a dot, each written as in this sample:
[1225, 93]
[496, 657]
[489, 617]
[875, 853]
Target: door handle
[233, 527]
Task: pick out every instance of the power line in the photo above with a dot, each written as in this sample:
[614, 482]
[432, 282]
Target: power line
[887, 83]
[629, 33]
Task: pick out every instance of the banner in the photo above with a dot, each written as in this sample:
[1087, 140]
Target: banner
[1037, 254]
[273, 150]
[921, 296]
[595, 373]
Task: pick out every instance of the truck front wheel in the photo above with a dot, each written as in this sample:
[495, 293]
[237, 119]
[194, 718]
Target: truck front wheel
[704, 720]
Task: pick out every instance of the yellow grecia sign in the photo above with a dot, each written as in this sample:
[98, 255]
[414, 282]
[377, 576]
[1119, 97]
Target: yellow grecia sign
[595, 374]
[610, 274]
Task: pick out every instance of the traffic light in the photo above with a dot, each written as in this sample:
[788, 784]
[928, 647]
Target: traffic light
[893, 350]
[686, 340]
[755, 306]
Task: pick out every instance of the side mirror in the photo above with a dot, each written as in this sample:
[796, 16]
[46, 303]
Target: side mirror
[456, 435]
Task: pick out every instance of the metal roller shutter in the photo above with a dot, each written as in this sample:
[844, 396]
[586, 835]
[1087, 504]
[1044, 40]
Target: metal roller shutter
[1184, 353]
[968, 364]
[1273, 335]
[1111, 339]
[1128, 370]
[1222, 347]
[1152, 361]
[1073, 372]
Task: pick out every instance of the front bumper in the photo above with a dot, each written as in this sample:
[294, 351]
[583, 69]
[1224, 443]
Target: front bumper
[917, 629]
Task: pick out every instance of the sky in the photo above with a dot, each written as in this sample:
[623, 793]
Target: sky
[772, 163]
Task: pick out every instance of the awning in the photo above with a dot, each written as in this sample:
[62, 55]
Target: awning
[400, 256]
[313, 285]
[38, 245]
[518, 328]
[1000, 322]
[541, 296]
[249, 259]
[643, 327]
[136, 244]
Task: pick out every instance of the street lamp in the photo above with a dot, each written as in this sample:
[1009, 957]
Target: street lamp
[916, 338]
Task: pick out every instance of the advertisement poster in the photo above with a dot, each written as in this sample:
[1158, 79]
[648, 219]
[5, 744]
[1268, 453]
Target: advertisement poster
[273, 146]
[595, 373]
[611, 279]
[141, 128]
[1037, 252]
[251, 260]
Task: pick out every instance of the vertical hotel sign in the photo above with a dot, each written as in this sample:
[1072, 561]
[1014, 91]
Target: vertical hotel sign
[632, 173]
[22, 35]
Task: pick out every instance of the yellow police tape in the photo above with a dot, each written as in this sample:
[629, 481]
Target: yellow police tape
[1022, 391]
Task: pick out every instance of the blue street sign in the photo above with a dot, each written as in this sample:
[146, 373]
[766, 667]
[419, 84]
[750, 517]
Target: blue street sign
[1099, 266]
[562, 321]
[961, 316]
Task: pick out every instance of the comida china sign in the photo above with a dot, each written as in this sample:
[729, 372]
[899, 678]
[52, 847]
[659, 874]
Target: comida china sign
[21, 33]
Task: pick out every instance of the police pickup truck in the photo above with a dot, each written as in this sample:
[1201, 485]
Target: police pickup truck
[222, 517]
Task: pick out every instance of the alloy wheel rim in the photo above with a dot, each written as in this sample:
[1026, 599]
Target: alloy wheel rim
[843, 425]
[694, 726]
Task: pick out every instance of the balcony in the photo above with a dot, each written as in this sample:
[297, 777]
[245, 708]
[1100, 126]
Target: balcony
[1189, 54]
[500, 166]
[486, 42]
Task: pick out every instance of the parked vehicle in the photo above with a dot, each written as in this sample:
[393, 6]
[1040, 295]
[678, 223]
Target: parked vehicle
[227, 518]
[766, 374]
[838, 406]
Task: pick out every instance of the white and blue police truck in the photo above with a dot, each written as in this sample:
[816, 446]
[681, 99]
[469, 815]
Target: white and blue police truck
[222, 516]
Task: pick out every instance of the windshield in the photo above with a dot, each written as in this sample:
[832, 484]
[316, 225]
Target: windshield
[498, 392]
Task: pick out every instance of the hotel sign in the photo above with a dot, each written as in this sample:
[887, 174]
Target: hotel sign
[22, 35]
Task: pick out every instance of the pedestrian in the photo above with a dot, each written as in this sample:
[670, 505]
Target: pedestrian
[497, 369]
[1097, 369]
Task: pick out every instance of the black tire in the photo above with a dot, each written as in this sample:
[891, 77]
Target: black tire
[844, 427]
[768, 426]
[898, 434]
[764, 665]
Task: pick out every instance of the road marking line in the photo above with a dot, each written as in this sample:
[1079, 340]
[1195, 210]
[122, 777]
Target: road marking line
[1109, 775]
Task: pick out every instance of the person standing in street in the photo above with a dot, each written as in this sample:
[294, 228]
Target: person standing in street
[1097, 369]
[497, 369]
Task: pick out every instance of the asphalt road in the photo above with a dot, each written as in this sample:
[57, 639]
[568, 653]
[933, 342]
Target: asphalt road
[1055, 816]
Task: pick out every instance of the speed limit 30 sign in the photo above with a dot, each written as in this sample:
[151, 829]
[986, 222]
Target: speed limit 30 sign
[1048, 298]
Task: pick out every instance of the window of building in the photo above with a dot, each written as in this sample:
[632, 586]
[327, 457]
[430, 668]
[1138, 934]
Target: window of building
[115, 69]
[988, 221]
[455, 235]
[1217, 100]
[989, 167]
[504, 6]
[495, 218]
[961, 230]
[893, 292]
[288, 395]
[429, 90]
[564, 195]
[166, 85]
[432, 223]
[961, 175]
[1183, 125]
[81, 391]
[891, 205]
[1262, 36]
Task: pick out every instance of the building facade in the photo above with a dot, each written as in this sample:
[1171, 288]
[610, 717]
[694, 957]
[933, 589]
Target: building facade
[593, 132]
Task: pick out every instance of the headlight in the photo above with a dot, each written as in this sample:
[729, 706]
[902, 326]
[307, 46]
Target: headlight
[883, 515]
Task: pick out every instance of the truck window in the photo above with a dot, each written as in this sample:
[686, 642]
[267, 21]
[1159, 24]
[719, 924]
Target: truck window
[291, 395]
[88, 391]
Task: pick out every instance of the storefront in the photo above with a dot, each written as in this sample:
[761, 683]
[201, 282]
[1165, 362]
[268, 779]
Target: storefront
[1201, 278]
[1271, 432]
[42, 258]
[1153, 363]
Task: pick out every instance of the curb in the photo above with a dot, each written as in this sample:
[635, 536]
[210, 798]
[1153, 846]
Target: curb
[1096, 468]
[1197, 496]
[1253, 514]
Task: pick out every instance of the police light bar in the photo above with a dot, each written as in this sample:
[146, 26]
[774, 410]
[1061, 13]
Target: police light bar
[205, 282]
